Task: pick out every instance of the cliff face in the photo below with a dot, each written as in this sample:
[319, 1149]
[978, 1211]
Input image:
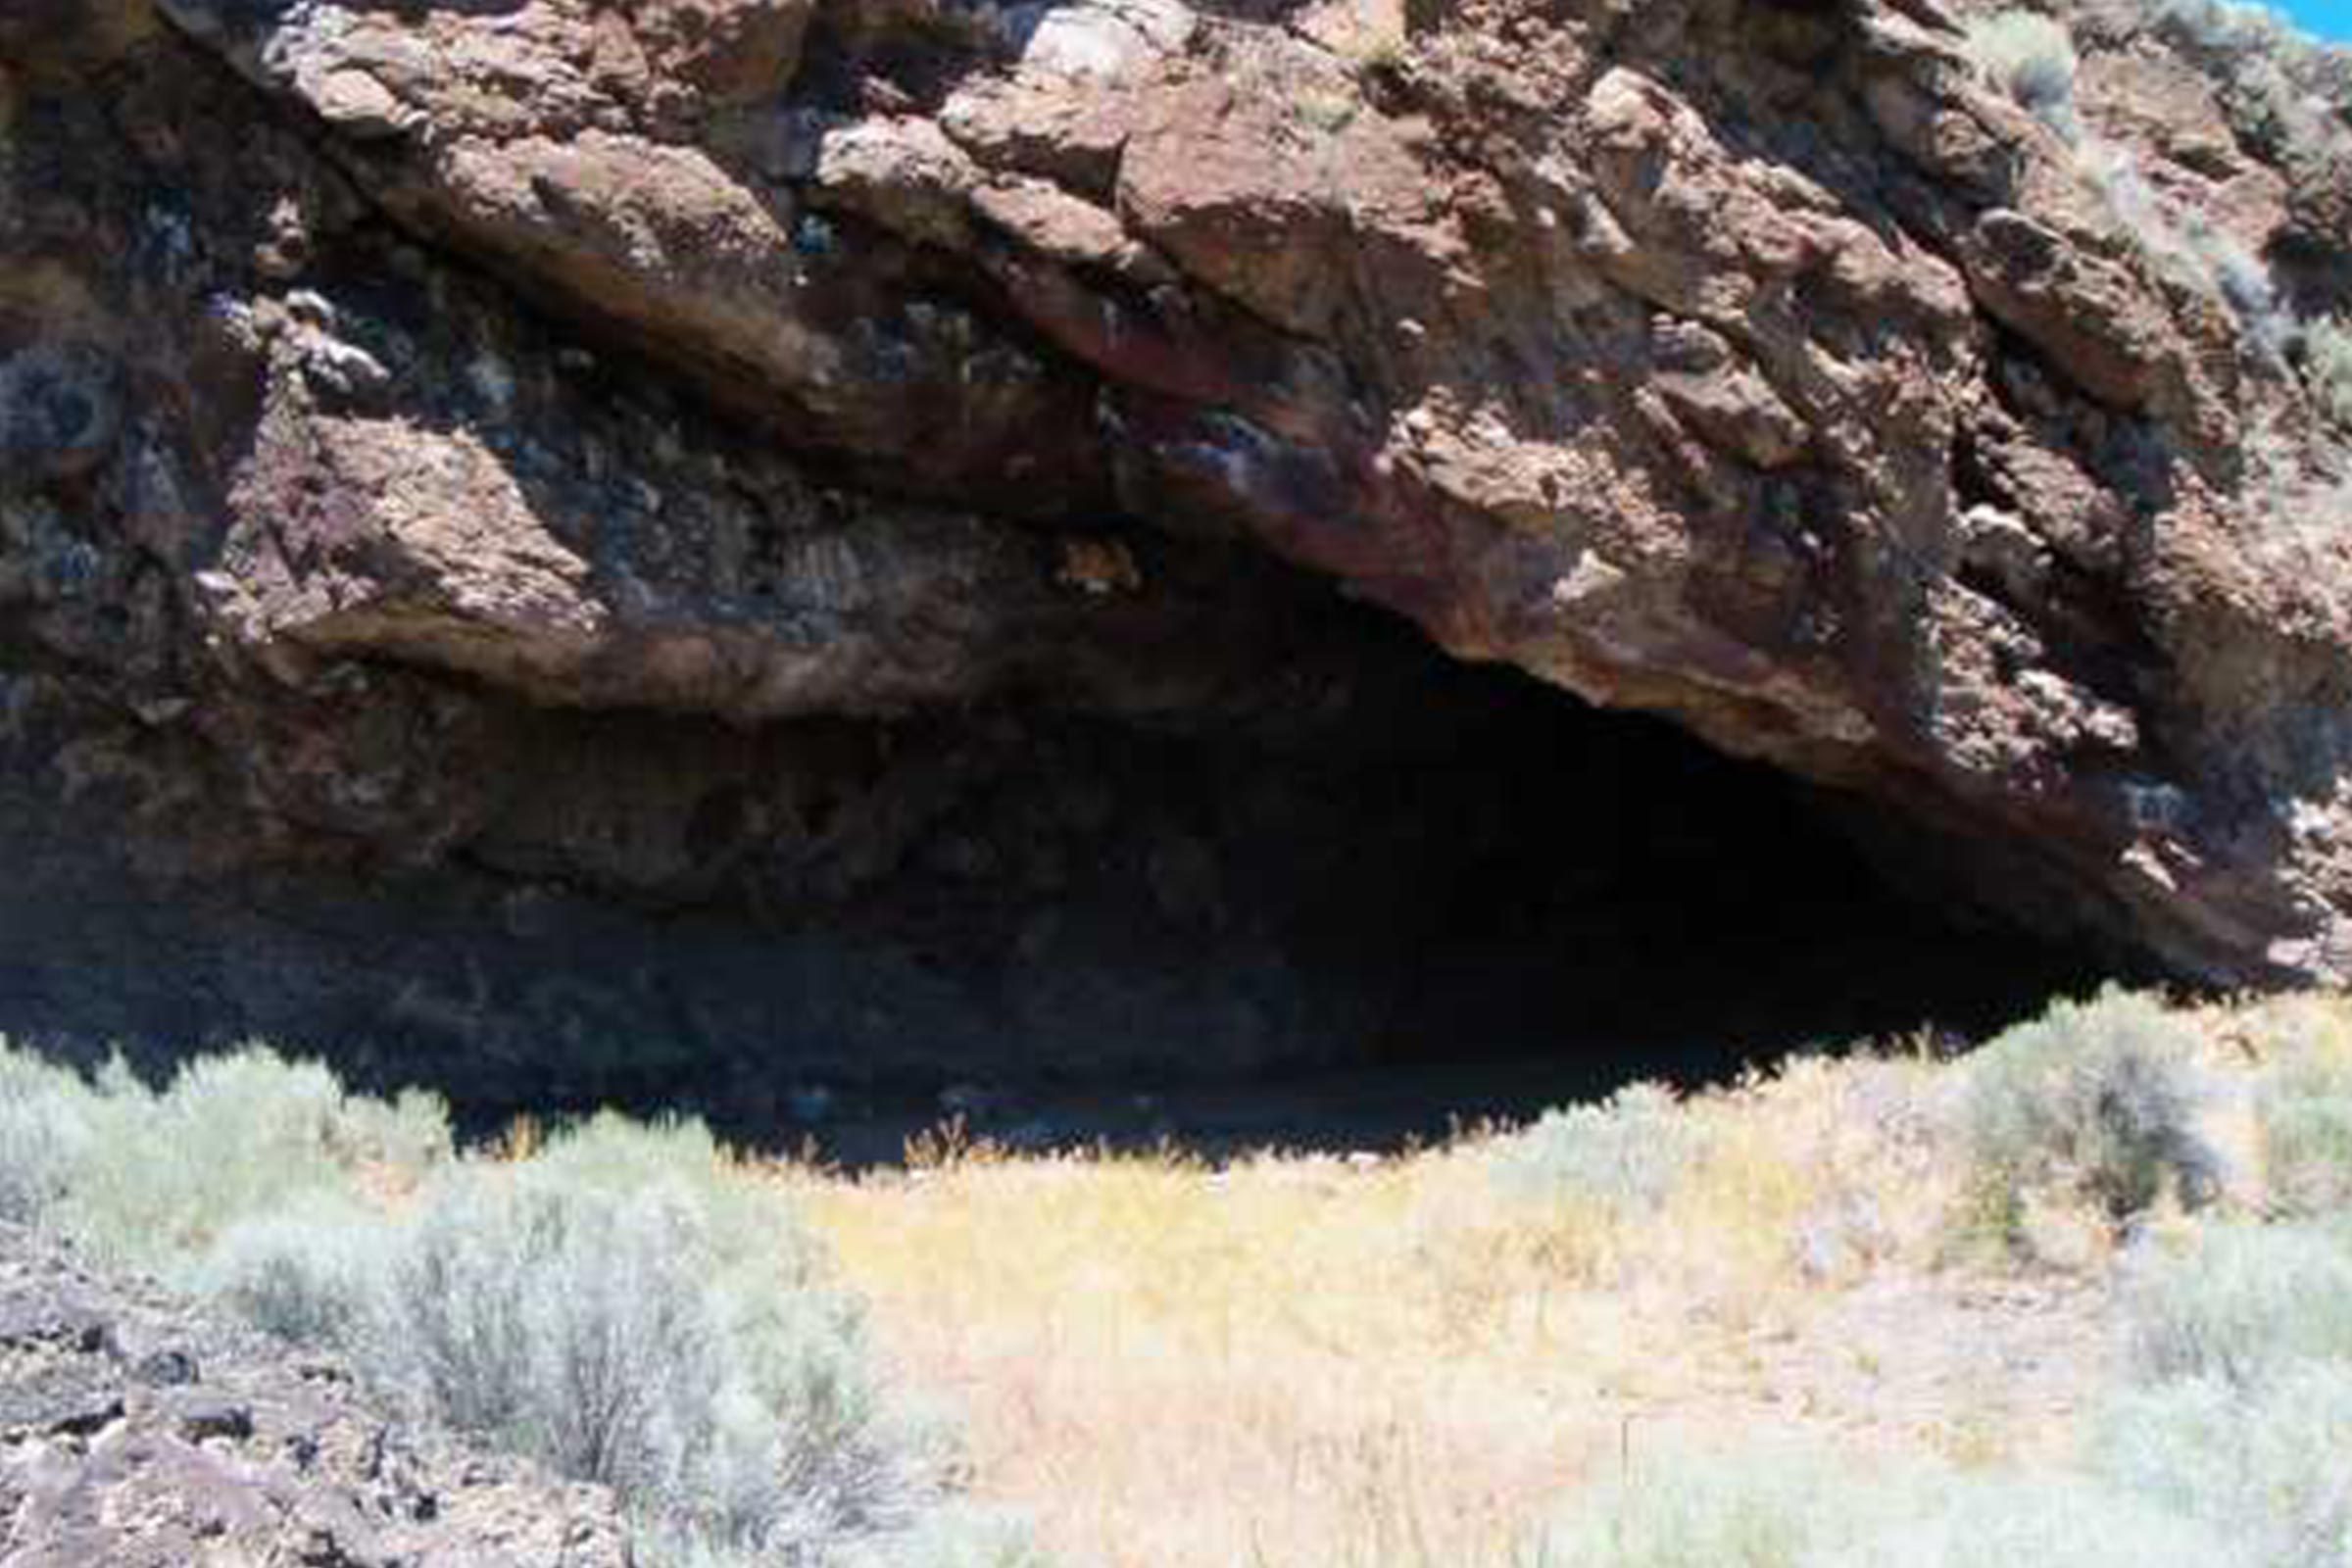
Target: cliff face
[630, 454]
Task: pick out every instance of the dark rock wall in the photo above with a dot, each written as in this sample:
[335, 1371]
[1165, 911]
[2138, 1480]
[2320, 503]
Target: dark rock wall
[610, 541]
[1382, 858]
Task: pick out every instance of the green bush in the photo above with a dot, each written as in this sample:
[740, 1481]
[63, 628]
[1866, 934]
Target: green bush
[2049, 1521]
[1625, 1155]
[2092, 1100]
[2238, 1405]
[2032, 58]
[2327, 362]
[45, 1130]
[1787, 1508]
[2282, 91]
[626, 1306]
[953, 1537]
[1762, 1507]
[2264, 1467]
[629, 1310]
[2222, 1444]
[2303, 1109]
[2240, 1303]
[151, 1178]
[310, 1273]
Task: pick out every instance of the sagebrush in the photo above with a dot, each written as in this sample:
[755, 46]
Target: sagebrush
[2327, 362]
[1623, 1156]
[626, 1305]
[2282, 91]
[2032, 58]
[1807, 1507]
[2093, 1100]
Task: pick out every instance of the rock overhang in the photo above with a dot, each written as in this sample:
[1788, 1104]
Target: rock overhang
[775, 362]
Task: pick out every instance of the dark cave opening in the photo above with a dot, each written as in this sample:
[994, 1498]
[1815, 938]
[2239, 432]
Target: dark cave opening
[1467, 896]
[1374, 894]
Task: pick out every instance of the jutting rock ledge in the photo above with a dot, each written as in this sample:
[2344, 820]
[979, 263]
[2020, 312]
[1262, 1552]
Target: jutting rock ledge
[646, 451]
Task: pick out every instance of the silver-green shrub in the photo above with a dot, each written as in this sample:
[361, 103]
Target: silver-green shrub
[2032, 58]
[2237, 1408]
[1625, 1155]
[229, 1138]
[2262, 1466]
[1766, 1507]
[958, 1536]
[2093, 1100]
[46, 1127]
[2304, 1112]
[2186, 248]
[310, 1273]
[2222, 1444]
[628, 1309]
[2242, 1303]
[150, 1178]
[2328, 364]
[2007, 1520]
[2285, 93]
[626, 1306]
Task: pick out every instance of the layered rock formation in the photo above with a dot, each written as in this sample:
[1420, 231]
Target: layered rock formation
[664, 453]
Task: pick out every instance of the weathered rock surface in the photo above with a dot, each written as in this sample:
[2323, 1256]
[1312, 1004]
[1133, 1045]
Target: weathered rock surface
[605, 448]
[134, 1431]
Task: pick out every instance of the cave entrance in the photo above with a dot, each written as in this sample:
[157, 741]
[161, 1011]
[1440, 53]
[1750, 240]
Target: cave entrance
[1447, 895]
[1357, 896]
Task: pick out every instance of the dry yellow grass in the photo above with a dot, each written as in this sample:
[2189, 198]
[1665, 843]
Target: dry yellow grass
[1308, 1362]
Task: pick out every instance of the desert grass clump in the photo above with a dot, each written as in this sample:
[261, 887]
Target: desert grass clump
[1623, 1157]
[2061, 1520]
[1761, 1507]
[2032, 58]
[2096, 1103]
[2219, 1444]
[958, 1536]
[2306, 1119]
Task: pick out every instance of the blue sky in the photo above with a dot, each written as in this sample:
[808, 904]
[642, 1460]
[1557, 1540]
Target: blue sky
[2330, 18]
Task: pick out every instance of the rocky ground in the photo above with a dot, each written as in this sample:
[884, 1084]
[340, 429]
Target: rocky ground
[139, 1432]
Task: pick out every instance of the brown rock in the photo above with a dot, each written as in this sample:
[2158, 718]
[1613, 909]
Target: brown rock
[1748, 364]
